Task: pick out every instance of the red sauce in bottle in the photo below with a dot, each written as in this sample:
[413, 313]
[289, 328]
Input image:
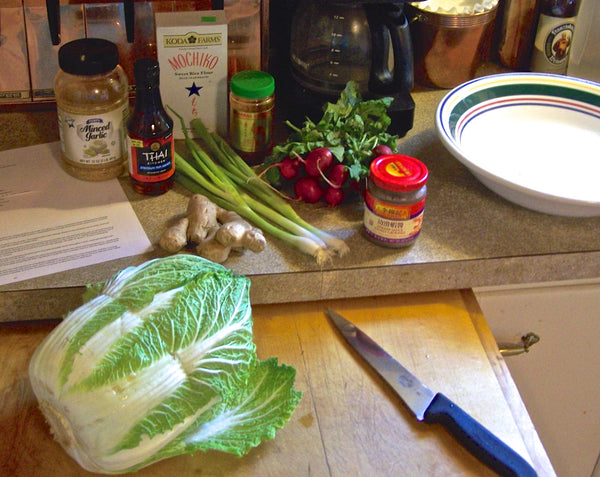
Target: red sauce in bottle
[150, 131]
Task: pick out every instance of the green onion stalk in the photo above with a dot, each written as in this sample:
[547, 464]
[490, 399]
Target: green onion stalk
[233, 185]
[243, 175]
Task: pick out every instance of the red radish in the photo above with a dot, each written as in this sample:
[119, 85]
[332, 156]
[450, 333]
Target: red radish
[289, 167]
[333, 196]
[308, 189]
[318, 161]
[337, 175]
[382, 150]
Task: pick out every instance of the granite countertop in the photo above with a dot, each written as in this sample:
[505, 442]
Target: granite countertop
[471, 237]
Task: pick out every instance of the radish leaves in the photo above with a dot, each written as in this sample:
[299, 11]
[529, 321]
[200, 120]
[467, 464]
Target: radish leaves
[351, 128]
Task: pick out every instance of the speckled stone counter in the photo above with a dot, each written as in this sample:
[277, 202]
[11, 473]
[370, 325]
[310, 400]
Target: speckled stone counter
[470, 238]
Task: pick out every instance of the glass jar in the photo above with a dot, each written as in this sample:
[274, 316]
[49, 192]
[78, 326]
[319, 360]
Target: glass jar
[92, 102]
[251, 103]
[395, 200]
[243, 35]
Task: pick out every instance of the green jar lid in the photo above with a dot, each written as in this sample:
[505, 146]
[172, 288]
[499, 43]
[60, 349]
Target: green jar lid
[252, 84]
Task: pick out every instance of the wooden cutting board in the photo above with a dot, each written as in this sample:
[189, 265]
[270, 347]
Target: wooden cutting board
[348, 423]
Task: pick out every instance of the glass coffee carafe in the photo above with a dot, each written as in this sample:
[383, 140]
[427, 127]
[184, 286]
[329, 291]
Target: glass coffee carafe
[334, 41]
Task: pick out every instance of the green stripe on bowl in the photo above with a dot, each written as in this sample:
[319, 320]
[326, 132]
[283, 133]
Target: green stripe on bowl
[518, 89]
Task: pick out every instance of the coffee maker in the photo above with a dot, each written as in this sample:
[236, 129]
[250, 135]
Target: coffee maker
[330, 42]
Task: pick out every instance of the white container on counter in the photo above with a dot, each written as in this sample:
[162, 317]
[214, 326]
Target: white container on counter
[584, 61]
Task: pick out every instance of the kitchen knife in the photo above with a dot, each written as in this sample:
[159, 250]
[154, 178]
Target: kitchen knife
[433, 407]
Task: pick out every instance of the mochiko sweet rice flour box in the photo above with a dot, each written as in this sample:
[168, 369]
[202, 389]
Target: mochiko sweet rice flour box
[192, 55]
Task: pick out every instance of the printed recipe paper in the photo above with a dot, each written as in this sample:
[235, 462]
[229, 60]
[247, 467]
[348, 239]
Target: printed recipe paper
[52, 222]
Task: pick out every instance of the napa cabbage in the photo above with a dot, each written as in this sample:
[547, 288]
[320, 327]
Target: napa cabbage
[160, 361]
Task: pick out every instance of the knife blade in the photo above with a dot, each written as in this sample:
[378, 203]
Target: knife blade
[434, 408]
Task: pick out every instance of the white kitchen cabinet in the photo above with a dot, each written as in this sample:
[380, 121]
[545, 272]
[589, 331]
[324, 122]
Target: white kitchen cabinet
[559, 378]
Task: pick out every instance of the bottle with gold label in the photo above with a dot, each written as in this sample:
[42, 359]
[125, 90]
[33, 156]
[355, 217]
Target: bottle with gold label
[554, 35]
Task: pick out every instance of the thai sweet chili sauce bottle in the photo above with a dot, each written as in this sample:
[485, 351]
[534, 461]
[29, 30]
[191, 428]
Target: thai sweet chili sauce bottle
[150, 131]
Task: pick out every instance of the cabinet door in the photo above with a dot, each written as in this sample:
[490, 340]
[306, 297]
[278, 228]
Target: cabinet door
[557, 379]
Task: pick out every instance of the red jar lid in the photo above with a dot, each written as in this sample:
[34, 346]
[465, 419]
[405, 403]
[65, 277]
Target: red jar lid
[399, 173]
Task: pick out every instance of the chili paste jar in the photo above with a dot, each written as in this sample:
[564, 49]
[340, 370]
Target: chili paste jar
[251, 103]
[395, 200]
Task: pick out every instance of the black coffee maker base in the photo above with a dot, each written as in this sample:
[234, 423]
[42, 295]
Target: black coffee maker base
[301, 103]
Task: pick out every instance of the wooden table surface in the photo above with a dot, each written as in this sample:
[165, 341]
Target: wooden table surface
[349, 422]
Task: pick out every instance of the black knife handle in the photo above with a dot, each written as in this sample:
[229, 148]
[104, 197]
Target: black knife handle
[477, 439]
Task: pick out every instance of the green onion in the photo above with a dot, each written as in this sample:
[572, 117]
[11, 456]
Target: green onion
[233, 185]
[243, 175]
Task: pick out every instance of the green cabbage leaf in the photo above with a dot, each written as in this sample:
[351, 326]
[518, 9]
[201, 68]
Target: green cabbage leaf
[160, 361]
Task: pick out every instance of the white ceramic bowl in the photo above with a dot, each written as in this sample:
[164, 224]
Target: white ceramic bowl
[532, 138]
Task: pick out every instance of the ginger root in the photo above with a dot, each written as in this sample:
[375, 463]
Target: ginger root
[214, 231]
[212, 249]
[174, 238]
[238, 233]
[202, 216]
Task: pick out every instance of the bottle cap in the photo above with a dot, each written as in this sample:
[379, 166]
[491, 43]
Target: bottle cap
[252, 84]
[398, 173]
[88, 56]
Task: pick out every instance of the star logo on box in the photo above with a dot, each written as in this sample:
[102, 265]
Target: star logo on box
[193, 90]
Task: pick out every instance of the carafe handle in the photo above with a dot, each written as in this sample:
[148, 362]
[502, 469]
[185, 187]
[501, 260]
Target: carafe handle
[53, 12]
[388, 21]
[129, 9]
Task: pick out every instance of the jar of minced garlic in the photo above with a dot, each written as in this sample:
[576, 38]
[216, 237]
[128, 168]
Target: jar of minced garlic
[395, 200]
[92, 102]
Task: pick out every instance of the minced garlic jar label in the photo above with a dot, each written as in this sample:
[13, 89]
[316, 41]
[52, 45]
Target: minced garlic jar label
[92, 140]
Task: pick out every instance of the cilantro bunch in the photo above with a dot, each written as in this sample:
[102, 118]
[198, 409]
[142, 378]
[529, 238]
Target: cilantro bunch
[351, 128]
